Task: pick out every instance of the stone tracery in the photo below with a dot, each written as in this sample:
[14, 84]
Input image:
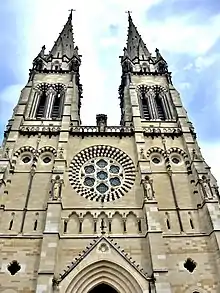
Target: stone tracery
[155, 105]
[92, 181]
[48, 100]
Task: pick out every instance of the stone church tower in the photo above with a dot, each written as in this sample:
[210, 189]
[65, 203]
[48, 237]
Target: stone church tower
[86, 209]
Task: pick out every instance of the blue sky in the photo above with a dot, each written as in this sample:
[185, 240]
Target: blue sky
[186, 32]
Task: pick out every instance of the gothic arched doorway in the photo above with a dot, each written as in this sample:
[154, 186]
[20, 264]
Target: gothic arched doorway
[103, 288]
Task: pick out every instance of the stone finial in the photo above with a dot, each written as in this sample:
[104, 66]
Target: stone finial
[101, 121]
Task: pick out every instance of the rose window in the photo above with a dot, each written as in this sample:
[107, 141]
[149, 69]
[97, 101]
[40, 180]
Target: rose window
[102, 173]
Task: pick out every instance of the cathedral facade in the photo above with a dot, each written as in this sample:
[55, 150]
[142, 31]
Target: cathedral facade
[132, 208]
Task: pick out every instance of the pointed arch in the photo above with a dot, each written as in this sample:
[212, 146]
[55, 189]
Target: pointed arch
[132, 223]
[103, 287]
[88, 224]
[117, 224]
[103, 271]
[72, 225]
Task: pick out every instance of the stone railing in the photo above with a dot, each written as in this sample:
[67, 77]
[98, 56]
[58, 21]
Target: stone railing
[96, 129]
[156, 131]
[40, 128]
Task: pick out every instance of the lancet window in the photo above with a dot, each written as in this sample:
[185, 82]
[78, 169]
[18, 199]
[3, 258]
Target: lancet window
[154, 103]
[48, 101]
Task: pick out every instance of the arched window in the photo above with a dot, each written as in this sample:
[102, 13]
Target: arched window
[145, 109]
[41, 105]
[56, 108]
[159, 105]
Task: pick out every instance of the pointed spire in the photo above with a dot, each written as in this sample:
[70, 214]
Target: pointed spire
[64, 44]
[135, 45]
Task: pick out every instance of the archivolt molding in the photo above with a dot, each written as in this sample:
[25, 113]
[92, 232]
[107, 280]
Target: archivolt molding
[48, 149]
[156, 150]
[102, 271]
[180, 152]
[25, 149]
[195, 289]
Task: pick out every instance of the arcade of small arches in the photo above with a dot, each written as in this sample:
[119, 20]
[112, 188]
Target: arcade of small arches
[88, 223]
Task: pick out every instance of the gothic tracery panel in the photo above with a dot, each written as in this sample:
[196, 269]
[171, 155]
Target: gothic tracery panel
[154, 103]
[48, 101]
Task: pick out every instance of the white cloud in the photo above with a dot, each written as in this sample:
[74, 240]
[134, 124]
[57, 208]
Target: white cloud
[179, 34]
[210, 152]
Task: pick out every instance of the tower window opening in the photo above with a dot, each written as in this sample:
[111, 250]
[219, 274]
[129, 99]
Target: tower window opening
[145, 109]
[159, 105]
[168, 224]
[56, 106]
[110, 227]
[41, 106]
[168, 221]
[191, 221]
[11, 224]
[80, 227]
[56, 67]
[65, 226]
[124, 225]
[35, 225]
[139, 226]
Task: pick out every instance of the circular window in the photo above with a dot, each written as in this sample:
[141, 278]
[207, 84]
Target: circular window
[156, 160]
[175, 160]
[47, 160]
[26, 159]
[102, 173]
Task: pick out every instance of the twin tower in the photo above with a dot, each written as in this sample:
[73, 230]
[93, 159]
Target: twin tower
[132, 208]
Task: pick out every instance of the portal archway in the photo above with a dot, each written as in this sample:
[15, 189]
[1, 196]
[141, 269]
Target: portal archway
[93, 276]
[103, 288]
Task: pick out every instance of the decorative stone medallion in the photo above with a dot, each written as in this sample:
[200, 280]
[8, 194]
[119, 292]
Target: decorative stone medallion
[102, 173]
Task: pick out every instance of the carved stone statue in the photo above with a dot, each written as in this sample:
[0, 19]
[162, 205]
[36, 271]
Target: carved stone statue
[206, 188]
[142, 155]
[148, 188]
[56, 188]
[6, 154]
[216, 189]
[60, 153]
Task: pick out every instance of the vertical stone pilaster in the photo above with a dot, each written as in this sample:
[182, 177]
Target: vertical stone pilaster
[49, 246]
[156, 245]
